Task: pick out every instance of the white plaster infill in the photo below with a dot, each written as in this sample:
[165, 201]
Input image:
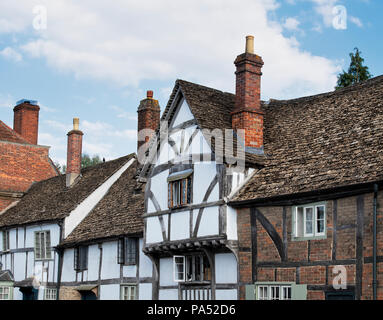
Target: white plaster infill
[83, 209]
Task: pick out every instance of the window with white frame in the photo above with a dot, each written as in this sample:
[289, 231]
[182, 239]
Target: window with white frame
[43, 250]
[5, 293]
[274, 292]
[191, 268]
[128, 292]
[5, 240]
[309, 220]
[179, 268]
[50, 294]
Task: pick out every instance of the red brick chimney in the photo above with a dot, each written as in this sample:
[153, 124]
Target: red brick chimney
[74, 151]
[148, 117]
[247, 113]
[26, 120]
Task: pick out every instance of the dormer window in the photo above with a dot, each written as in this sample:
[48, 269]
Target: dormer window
[180, 188]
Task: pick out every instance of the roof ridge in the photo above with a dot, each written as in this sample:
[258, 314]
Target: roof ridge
[13, 132]
[350, 88]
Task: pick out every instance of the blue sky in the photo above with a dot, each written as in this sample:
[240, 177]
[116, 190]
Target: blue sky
[95, 60]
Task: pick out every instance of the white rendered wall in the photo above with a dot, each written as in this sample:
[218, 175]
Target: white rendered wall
[209, 224]
[145, 291]
[183, 114]
[231, 223]
[225, 268]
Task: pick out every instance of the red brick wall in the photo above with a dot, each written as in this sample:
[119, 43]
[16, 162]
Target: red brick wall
[20, 165]
[318, 277]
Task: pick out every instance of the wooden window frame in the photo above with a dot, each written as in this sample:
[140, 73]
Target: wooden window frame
[49, 293]
[188, 192]
[128, 286]
[269, 286]
[175, 270]
[9, 293]
[298, 219]
[78, 254]
[122, 256]
[6, 242]
[45, 246]
[186, 259]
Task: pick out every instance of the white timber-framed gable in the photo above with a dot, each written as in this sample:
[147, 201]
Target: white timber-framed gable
[188, 227]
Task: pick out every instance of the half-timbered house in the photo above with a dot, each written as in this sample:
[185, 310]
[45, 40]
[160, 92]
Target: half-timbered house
[311, 217]
[49, 236]
[193, 164]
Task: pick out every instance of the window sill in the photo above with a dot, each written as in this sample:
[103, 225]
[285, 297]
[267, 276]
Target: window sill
[322, 237]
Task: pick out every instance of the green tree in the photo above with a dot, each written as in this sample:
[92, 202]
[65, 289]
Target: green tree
[87, 161]
[356, 72]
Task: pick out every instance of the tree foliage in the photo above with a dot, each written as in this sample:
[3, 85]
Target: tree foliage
[86, 161]
[356, 72]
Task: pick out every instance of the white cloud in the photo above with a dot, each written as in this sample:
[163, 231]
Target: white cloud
[132, 41]
[356, 21]
[6, 101]
[11, 54]
[291, 24]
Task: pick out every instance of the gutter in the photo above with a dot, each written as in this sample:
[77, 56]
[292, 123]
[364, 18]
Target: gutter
[297, 198]
[374, 266]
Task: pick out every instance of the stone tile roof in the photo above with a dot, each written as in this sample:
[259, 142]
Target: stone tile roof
[50, 199]
[8, 134]
[6, 275]
[211, 109]
[118, 213]
[321, 142]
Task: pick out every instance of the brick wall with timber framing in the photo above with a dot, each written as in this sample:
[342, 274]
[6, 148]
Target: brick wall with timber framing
[268, 253]
[71, 293]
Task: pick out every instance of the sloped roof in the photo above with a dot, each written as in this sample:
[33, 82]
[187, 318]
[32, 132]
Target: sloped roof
[321, 142]
[211, 109]
[6, 275]
[118, 213]
[8, 134]
[50, 199]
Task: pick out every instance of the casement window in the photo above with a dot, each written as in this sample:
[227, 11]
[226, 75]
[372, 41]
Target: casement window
[81, 258]
[180, 188]
[50, 294]
[128, 251]
[5, 293]
[6, 240]
[191, 268]
[309, 221]
[273, 292]
[43, 249]
[128, 292]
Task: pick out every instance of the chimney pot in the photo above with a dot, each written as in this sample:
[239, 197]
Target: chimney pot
[250, 44]
[76, 122]
[149, 94]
